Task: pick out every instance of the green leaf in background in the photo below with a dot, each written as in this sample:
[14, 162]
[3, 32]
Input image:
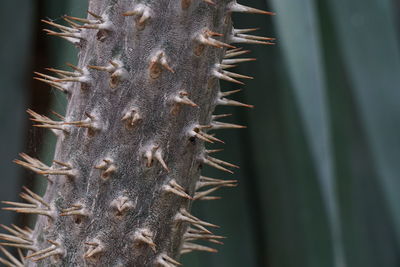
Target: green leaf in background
[298, 28]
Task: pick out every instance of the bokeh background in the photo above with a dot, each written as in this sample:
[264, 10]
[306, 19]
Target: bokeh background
[320, 160]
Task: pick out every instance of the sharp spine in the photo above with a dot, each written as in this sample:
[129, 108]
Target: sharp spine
[205, 38]
[154, 152]
[157, 61]
[188, 247]
[122, 205]
[142, 12]
[75, 210]
[236, 7]
[173, 187]
[184, 216]
[54, 250]
[132, 117]
[107, 166]
[166, 261]
[95, 247]
[144, 235]
[14, 262]
[116, 69]
[37, 205]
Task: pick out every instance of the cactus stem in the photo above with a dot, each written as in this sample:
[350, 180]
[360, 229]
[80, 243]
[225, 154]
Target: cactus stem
[174, 188]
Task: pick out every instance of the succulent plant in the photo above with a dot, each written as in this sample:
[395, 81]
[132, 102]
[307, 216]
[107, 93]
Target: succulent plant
[131, 146]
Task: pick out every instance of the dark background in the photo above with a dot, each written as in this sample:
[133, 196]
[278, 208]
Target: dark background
[320, 160]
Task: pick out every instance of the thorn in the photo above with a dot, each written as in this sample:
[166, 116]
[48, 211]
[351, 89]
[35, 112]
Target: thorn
[174, 188]
[184, 216]
[211, 163]
[245, 30]
[165, 261]
[202, 194]
[235, 75]
[132, 117]
[144, 235]
[228, 102]
[54, 250]
[122, 205]
[60, 27]
[218, 161]
[73, 38]
[90, 123]
[14, 262]
[235, 7]
[47, 123]
[196, 132]
[189, 247]
[156, 62]
[75, 210]
[155, 151]
[95, 247]
[255, 37]
[65, 35]
[228, 93]
[216, 125]
[207, 181]
[194, 234]
[216, 73]
[237, 60]
[117, 71]
[220, 116]
[205, 38]
[34, 206]
[214, 151]
[142, 12]
[235, 53]
[51, 81]
[182, 98]
[108, 167]
[158, 156]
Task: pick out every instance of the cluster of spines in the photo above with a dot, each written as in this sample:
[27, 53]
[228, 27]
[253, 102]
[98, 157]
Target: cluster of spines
[158, 62]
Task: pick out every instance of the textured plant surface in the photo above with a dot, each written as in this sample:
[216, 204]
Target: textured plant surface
[132, 142]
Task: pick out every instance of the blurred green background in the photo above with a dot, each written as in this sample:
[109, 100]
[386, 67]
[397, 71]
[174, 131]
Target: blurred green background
[320, 159]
